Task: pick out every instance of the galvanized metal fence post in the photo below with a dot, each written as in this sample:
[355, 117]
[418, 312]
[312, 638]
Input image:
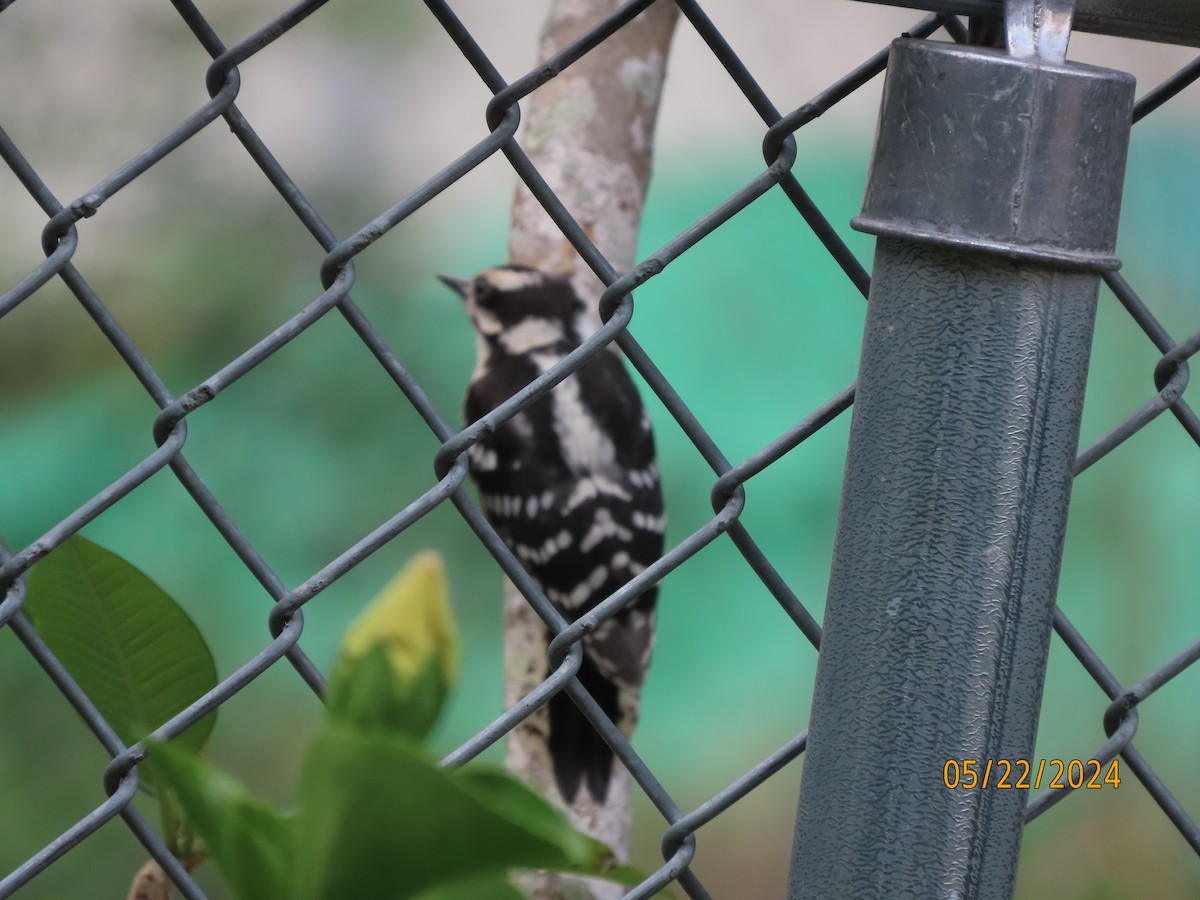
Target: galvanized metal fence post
[994, 191]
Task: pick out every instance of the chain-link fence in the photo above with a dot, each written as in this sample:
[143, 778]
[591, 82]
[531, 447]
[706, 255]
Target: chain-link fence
[62, 236]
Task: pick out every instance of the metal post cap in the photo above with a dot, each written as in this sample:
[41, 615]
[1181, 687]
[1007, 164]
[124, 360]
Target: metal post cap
[1018, 157]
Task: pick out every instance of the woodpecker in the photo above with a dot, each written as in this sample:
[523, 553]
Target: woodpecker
[571, 485]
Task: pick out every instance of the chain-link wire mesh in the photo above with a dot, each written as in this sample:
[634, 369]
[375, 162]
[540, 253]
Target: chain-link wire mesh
[60, 240]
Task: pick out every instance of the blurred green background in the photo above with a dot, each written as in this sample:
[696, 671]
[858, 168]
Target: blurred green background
[755, 327]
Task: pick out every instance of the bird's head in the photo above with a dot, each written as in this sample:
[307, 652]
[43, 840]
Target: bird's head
[520, 309]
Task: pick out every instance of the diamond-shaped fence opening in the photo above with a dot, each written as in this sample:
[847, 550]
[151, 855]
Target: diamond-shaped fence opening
[300, 395]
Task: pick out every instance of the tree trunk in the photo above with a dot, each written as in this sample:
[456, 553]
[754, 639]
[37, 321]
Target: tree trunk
[590, 134]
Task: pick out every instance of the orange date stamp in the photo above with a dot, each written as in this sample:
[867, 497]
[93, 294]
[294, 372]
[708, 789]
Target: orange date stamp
[1055, 774]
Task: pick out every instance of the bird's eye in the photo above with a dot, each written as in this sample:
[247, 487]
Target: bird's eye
[481, 288]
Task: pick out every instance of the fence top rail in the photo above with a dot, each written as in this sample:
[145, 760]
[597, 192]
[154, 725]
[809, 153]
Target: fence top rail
[1166, 21]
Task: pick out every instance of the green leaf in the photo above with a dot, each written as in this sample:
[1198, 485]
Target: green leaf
[252, 846]
[512, 799]
[376, 812]
[133, 649]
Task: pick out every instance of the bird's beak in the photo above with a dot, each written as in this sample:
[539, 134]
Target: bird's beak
[458, 285]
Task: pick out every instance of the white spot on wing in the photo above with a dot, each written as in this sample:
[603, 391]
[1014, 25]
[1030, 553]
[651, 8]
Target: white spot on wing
[596, 579]
[584, 491]
[606, 486]
[591, 488]
[523, 428]
[483, 459]
[504, 505]
[657, 524]
[580, 594]
[549, 548]
[644, 478]
[603, 527]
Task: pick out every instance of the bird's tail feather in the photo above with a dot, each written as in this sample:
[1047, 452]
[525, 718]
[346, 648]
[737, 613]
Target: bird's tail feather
[577, 751]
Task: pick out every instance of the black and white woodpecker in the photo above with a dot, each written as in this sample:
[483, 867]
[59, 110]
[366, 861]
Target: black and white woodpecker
[571, 485]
